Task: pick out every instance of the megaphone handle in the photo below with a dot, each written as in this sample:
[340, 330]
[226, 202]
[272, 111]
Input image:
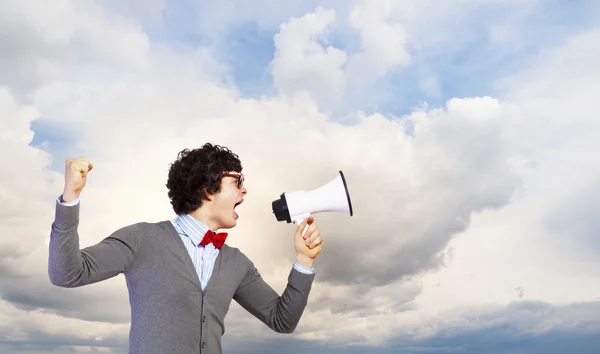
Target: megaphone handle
[299, 220]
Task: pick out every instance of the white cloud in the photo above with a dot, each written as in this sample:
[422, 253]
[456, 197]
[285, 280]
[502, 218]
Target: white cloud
[25, 179]
[302, 64]
[542, 241]
[67, 33]
[383, 43]
[305, 63]
[16, 128]
[416, 181]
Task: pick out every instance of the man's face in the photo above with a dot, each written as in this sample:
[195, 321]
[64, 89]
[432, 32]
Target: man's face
[227, 199]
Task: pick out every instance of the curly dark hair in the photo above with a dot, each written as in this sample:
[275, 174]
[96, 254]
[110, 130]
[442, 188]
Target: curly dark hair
[197, 170]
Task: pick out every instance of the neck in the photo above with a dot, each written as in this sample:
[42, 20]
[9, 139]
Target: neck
[204, 215]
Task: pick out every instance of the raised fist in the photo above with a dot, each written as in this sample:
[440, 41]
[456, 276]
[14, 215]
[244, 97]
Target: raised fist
[76, 170]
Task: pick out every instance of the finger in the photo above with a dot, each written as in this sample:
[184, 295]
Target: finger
[313, 235]
[81, 160]
[301, 227]
[85, 162]
[312, 226]
[310, 231]
[82, 168]
[316, 242]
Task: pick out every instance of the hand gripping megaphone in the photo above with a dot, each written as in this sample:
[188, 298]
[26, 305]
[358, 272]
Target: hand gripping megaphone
[296, 206]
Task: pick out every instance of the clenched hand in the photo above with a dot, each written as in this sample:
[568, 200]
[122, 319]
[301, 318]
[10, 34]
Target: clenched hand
[309, 244]
[76, 171]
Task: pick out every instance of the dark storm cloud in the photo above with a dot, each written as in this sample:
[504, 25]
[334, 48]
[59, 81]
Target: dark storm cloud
[92, 303]
[32, 340]
[504, 330]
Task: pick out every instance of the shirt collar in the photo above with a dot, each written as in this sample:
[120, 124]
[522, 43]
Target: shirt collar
[193, 228]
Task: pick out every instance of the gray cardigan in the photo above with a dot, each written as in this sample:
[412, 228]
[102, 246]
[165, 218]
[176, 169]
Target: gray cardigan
[170, 313]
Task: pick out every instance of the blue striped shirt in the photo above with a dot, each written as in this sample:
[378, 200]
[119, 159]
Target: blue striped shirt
[191, 232]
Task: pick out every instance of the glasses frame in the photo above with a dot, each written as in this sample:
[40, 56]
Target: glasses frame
[238, 175]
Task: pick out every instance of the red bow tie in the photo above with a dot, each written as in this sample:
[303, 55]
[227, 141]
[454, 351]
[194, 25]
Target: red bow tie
[217, 239]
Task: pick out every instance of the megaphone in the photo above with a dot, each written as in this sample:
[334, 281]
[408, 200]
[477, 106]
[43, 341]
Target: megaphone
[296, 206]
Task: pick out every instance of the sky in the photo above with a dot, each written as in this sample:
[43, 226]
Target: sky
[466, 131]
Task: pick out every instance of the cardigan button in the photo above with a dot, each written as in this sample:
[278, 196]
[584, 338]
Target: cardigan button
[203, 344]
[203, 318]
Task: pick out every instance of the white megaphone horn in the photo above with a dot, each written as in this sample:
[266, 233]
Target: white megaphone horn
[296, 206]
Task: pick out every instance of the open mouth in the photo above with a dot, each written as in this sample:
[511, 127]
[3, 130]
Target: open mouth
[235, 215]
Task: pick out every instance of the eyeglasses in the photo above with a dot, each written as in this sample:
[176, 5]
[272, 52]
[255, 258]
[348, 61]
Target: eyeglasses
[238, 175]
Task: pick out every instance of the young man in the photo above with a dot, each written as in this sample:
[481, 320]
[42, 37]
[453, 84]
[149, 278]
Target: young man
[180, 274]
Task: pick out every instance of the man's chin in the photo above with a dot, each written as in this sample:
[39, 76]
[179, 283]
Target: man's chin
[230, 223]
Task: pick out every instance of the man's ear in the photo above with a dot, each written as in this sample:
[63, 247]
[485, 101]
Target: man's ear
[207, 195]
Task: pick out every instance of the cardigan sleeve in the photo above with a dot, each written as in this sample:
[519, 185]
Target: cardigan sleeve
[281, 313]
[69, 266]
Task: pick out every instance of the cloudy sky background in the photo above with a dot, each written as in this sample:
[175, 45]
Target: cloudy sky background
[467, 131]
